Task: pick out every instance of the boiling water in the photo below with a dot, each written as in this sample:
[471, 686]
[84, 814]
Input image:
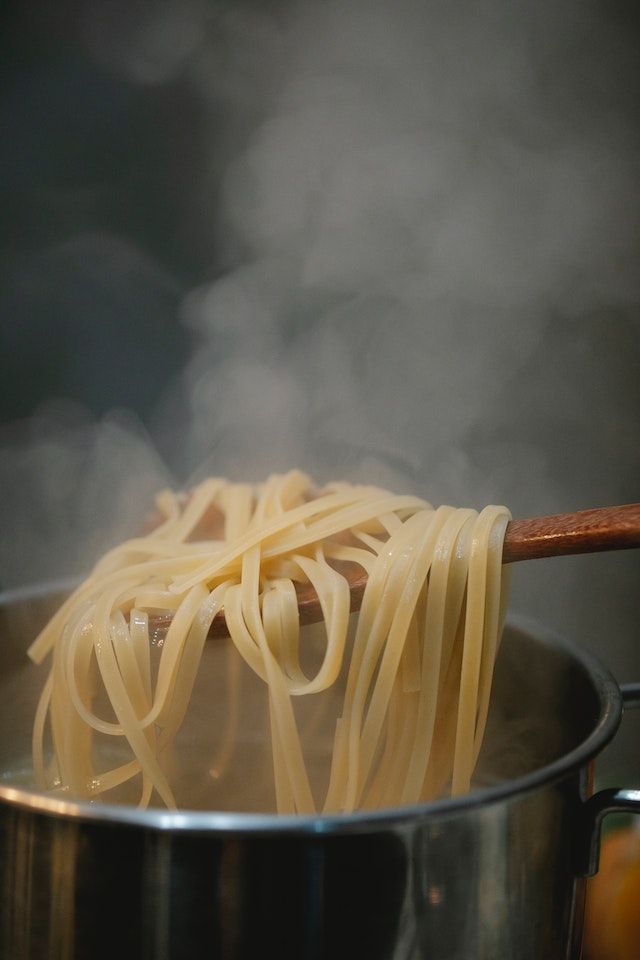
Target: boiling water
[221, 758]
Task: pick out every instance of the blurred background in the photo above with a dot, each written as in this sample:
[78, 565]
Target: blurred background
[385, 241]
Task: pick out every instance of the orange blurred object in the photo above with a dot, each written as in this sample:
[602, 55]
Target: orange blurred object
[612, 916]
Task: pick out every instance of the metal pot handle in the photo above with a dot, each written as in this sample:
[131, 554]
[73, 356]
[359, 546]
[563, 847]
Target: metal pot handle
[612, 800]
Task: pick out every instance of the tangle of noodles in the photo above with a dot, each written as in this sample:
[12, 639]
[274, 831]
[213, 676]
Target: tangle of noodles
[417, 670]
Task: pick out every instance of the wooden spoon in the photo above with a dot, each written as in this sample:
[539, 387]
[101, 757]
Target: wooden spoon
[587, 531]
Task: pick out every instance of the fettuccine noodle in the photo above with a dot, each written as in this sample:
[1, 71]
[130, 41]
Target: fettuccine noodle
[416, 666]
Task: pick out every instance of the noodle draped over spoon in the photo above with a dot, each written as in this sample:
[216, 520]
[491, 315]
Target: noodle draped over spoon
[416, 663]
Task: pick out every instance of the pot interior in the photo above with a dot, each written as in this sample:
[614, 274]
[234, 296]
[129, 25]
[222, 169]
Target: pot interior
[545, 703]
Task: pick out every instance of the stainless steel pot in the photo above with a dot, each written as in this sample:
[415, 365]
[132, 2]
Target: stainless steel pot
[497, 874]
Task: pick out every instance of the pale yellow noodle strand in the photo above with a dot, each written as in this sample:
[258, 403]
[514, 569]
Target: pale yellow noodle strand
[236, 502]
[348, 517]
[497, 575]
[333, 593]
[379, 785]
[139, 628]
[405, 605]
[440, 764]
[434, 631]
[201, 499]
[191, 656]
[239, 633]
[227, 558]
[110, 779]
[285, 608]
[39, 723]
[278, 690]
[339, 768]
[472, 657]
[282, 708]
[410, 664]
[376, 615]
[229, 737]
[171, 652]
[392, 782]
[121, 703]
[95, 586]
[285, 802]
[135, 683]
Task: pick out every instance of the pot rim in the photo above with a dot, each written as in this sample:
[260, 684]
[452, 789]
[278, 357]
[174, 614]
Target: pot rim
[235, 823]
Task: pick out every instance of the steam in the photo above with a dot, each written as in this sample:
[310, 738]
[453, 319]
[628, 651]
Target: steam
[429, 210]
[76, 488]
[425, 232]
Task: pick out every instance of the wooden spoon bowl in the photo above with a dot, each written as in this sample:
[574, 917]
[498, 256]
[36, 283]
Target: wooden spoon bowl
[563, 534]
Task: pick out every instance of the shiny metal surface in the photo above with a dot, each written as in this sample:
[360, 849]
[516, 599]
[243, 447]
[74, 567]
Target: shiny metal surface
[489, 876]
[494, 881]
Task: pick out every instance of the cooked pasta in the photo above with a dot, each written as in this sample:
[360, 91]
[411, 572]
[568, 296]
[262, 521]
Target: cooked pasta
[414, 666]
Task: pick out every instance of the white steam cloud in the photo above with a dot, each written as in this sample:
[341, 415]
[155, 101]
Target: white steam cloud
[425, 216]
[73, 490]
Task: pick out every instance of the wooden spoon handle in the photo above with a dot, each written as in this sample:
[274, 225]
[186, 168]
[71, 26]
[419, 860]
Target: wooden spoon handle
[587, 531]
